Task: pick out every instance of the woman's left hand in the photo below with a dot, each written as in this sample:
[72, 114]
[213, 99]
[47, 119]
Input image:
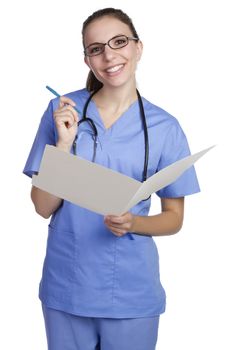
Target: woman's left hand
[120, 225]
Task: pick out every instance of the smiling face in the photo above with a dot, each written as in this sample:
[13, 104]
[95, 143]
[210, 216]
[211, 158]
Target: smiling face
[113, 68]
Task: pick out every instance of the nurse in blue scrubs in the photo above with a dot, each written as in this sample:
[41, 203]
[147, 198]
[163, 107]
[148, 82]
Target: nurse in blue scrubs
[100, 287]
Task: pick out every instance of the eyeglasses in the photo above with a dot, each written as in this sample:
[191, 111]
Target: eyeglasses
[117, 42]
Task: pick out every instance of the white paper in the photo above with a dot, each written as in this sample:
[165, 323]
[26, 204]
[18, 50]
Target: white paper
[94, 187]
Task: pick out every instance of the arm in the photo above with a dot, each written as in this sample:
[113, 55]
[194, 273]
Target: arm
[66, 119]
[45, 203]
[168, 222]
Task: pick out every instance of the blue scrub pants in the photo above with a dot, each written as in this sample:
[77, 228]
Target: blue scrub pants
[70, 332]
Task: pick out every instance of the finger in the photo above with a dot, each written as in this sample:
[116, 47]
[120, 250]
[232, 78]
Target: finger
[68, 109]
[64, 120]
[116, 228]
[66, 100]
[125, 226]
[119, 232]
[115, 219]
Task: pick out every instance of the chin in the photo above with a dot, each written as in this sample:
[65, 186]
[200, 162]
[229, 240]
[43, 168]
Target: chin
[117, 83]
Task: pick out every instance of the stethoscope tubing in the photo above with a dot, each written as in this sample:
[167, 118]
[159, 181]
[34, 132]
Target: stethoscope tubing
[143, 117]
[92, 124]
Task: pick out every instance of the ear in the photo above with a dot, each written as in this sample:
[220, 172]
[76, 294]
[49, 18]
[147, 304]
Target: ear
[139, 50]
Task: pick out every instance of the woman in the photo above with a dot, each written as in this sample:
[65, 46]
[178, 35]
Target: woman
[100, 289]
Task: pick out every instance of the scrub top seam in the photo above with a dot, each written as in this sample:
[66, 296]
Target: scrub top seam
[114, 269]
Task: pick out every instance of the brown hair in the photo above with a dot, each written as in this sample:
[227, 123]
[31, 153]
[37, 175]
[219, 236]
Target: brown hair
[92, 83]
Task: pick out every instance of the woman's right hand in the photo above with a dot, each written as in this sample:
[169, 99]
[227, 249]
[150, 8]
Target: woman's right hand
[66, 121]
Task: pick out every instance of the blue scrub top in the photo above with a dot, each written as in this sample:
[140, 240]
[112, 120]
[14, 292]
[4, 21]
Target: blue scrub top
[88, 271]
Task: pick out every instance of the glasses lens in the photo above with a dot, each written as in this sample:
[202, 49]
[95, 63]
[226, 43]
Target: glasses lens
[94, 49]
[118, 42]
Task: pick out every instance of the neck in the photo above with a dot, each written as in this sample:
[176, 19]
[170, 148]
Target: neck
[120, 97]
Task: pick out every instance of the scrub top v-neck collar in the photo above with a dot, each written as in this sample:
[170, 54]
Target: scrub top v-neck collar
[120, 122]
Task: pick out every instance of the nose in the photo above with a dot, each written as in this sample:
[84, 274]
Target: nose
[108, 52]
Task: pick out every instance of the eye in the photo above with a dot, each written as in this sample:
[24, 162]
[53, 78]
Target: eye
[120, 41]
[94, 49]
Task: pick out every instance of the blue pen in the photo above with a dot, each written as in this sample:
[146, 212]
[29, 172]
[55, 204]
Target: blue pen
[57, 94]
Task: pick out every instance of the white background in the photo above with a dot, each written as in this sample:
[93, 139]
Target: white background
[187, 70]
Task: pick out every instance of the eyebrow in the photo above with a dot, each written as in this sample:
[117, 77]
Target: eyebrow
[98, 42]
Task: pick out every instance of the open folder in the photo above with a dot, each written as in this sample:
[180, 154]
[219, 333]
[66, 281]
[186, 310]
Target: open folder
[102, 190]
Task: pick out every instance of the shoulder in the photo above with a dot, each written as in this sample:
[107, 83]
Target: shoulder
[78, 96]
[157, 115]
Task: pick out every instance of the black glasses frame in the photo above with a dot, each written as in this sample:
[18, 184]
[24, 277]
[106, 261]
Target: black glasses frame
[102, 45]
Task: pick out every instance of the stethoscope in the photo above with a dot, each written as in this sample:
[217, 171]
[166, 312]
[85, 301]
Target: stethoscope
[95, 132]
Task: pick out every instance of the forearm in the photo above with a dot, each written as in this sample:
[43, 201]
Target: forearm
[165, 223]
[44, 202]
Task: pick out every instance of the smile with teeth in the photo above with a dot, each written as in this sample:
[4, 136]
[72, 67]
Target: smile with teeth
[114, 69]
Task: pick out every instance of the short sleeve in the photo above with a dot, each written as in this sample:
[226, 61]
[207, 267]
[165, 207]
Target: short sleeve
[176, 147]
[45, 135]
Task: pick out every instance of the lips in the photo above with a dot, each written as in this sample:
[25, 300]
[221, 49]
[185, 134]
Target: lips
[114, 69]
